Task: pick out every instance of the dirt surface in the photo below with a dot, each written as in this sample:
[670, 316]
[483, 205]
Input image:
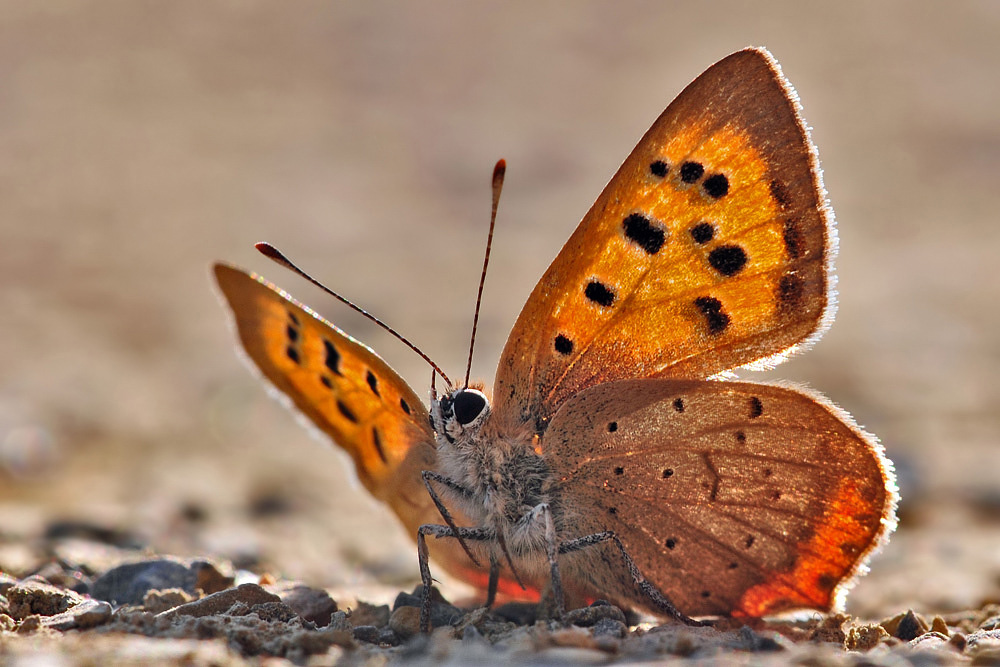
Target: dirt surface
[139, 142]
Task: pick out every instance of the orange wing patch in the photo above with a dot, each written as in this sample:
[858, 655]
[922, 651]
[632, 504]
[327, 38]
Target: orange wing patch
[827, 561]
[707, 251]
[338, 383]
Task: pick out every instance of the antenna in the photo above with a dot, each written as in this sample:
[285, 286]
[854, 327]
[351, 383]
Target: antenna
[275, 255]
[499, 171]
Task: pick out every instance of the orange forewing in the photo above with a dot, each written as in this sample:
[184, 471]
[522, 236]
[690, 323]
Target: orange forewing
[352, 395]
[720, 269]
[341, 385]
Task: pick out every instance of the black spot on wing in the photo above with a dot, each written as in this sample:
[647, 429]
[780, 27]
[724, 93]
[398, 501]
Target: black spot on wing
[346, 412]
[780, 193]
[599, 293]
[659, 168]
[691, 171]
[292, 353]
[716, 186]
[372, 383]
[790, 290]
[702, 233]
[563, 345]
[640, 230]
[331, 357]
[756, 407]
[711, 308]
[792, 236]
[377, 441]
[728, 260]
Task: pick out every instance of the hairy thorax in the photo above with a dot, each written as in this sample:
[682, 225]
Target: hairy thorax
[504, 481]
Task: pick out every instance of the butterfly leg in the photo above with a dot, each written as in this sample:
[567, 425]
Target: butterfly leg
[439, 531]
[648, 589]
[430, 476]
[552, 551]
[491, 587]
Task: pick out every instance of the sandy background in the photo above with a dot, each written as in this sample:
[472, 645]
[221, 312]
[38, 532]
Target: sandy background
[139, 142]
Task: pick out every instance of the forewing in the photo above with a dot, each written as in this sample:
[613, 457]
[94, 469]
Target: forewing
[341, 385]
[708, 250]
[733, 498]
[354, 397]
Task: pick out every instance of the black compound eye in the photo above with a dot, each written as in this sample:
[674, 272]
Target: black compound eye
[468, 405]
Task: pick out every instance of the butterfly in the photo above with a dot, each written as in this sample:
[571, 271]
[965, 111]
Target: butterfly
[616, 457]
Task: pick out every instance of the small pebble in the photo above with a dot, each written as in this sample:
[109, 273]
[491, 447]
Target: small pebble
[366, 633]
[7, 623]
[588, 616]
[161, 600]
[370, 614]
[405, 621]
[274, 612]
[982, 640]
[442, 612]
[87, 614]
[991, 623]
[208, 577]
[218, 603]
[910, 626]
[29, 624]
[930, 641]
[905, 626]
[35, 596]
[129, 583]
[312, 604]
[388, 637]
[610, 627]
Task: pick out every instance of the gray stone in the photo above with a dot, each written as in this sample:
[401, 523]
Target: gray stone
[129, 583]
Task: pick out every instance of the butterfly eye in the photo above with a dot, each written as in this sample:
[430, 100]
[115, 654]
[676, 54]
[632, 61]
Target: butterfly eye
[468, 405]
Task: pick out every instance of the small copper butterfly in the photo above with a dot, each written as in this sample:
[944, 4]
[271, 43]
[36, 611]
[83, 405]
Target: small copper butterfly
[613, 459]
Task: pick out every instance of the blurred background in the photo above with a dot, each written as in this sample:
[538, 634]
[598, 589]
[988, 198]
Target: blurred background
[141, 141]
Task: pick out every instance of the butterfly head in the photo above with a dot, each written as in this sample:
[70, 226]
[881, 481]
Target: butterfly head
[457, 416]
